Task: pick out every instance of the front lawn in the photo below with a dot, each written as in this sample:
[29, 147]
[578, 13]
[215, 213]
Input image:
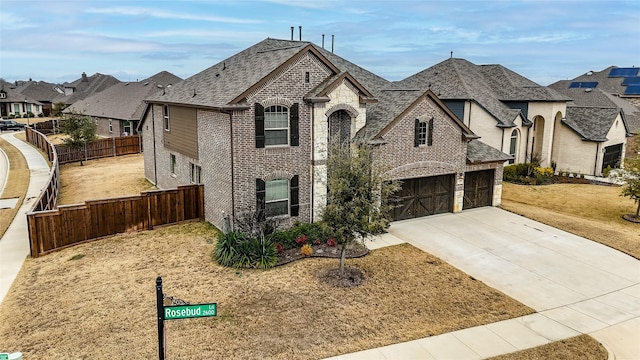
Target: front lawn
[97, 301]
[591, 211]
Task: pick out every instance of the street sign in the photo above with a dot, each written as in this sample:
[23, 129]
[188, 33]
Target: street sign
[190, 311]
[4, 356]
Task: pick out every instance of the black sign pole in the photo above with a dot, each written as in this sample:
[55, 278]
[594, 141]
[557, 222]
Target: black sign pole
[160, 306]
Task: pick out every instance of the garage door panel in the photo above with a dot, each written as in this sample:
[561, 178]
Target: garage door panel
[478, 189]
[423, 196]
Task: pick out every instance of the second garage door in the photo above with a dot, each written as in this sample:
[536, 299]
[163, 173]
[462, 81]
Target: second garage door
[478, 189]
[423, 196]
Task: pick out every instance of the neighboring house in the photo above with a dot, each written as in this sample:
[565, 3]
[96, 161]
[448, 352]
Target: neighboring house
[510, 112]
[13, 103]
[86, 86]
[623, 86]
[118, 109]
[45, 93]
[254, 129]
[593, 134]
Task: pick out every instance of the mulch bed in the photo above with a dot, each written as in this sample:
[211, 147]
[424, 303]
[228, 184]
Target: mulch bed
[322, 250]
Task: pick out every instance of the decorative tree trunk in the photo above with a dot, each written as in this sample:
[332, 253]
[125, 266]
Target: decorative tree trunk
[343, 256]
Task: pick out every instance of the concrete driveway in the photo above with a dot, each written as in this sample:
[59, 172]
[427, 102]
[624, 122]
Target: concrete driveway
[578, 283]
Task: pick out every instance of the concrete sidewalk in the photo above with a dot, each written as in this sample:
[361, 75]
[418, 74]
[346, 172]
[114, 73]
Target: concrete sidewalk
[577, 286]
[14, 245]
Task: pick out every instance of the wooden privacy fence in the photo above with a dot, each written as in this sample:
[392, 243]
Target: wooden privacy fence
[72, 224]
[48, 198]
[100, 148]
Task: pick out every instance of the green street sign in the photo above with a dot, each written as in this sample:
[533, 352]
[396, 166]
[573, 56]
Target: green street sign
[4, 356]
[190, 311]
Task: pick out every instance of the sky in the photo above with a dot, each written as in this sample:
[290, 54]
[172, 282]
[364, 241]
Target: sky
[545, 41]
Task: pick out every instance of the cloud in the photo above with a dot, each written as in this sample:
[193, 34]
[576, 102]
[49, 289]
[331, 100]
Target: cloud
[152, 12]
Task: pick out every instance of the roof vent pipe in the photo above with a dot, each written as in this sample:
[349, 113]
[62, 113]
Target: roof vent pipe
[300, 28]
[292, 33]
[323, 41]
[332, 38]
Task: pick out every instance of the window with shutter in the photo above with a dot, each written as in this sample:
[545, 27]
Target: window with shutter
[420, 133]
[293, 124]
[430, 133]
[294, 196]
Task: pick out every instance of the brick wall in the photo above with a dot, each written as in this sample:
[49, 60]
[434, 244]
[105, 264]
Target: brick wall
[280, 161]
[447, 154]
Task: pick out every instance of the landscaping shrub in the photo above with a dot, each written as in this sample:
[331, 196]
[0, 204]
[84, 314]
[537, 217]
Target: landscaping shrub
[528, 173]
[41, 115]
[236, 249]
[306, 250]
[299, 235]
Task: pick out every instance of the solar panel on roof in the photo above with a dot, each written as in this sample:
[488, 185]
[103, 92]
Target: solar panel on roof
[632, 90]
[583, 84]
[631, 80]
[623, 72]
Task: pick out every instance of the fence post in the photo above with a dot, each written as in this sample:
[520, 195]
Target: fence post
[149, 224]
[115, 150]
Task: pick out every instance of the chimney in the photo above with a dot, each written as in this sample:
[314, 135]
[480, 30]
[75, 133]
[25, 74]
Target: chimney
[84, 77]
[300, 27]
[292, 33]
[323, 41]
[332, 37]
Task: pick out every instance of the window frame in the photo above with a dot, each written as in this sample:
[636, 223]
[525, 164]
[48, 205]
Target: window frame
[196, 173]
[513, 145]
[286, 199]
[284, 113]
[166, 119]
[110, 125]
[127, 124]
[422, 133]
[173, 164]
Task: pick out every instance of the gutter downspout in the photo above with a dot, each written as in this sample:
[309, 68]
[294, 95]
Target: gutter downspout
[502, 142]
[313, 155]
[155, 155]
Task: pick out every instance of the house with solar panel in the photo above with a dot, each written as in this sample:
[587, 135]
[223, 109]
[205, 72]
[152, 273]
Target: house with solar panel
[508, 111]
[600, 117]
[254, 129]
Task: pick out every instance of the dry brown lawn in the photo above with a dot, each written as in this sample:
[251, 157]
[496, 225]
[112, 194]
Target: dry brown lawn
[17, 183]
[582, 347]
[102, 178]
[592, 211]
[102, 304]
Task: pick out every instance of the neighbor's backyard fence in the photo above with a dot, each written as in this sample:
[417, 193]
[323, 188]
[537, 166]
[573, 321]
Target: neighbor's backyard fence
[51, 227]
[96, 149]
[72, 224]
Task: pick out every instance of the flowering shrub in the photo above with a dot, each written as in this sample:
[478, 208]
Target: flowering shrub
[331, 242]
[279, 248]
[302, 239]
[306, 250]
[317, 242]
[546, 172]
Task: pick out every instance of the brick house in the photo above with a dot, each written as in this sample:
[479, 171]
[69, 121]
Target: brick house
[510, 112]
[254, 129]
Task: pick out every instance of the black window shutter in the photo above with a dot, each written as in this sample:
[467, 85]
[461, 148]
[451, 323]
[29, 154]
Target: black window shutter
[293, 125]
[430, 133]
[293, 192]
[416, 134]
[259, 119]
[260, 195]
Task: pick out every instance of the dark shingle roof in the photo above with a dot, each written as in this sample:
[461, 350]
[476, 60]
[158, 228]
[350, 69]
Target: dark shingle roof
[42, 91]
[83, 89]
[591, 112]
[487, 85]
[479, 152]
[14, 96]
[220, 84]
[591, 123]
[605, 83]
[124, 101]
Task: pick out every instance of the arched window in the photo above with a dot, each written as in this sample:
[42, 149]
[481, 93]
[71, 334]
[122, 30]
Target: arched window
[513, 146]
